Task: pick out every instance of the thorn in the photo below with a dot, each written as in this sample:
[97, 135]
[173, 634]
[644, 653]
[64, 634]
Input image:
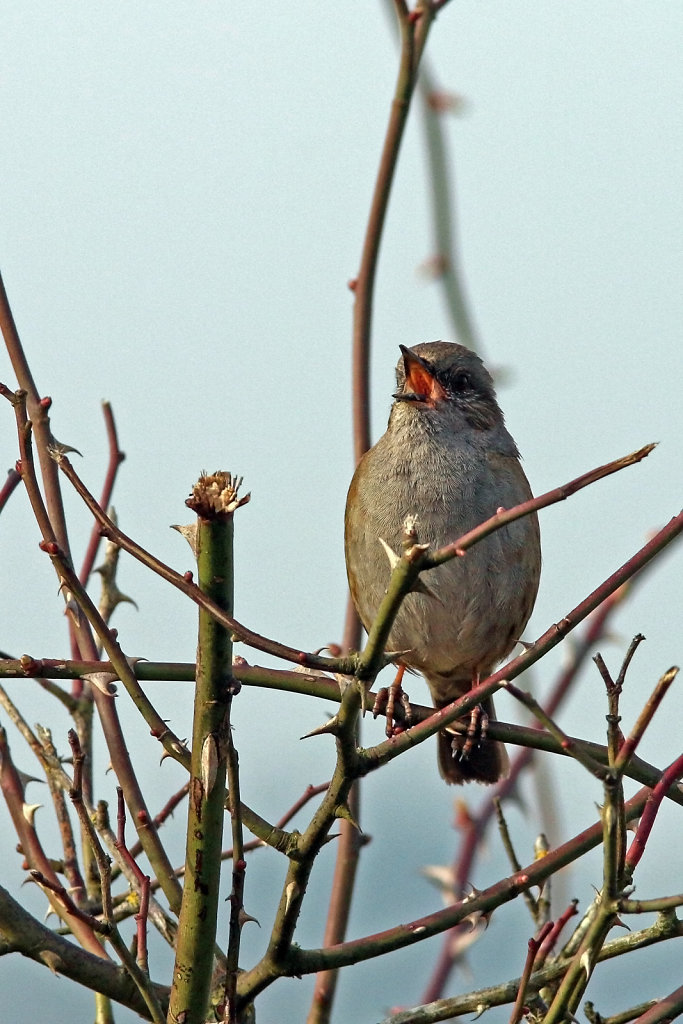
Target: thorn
[56, 450]
[333, 649]
[102, 681]
[51, 960]
[342, 811]
[363, 697]
[393, 656]
[472, 894]
[330, 726]
[343, 682]
[189, 532]
[419, 586]
[25, 778]
[473, 920]
[394, 559]
[244, 917]
[209, 763]
[291, 891]
[114, 595]
[29, 812]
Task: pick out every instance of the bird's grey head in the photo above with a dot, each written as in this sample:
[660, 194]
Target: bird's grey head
[445, 380]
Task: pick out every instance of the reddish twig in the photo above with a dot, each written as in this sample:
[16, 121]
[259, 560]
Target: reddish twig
[663, 1011]
[10, 485]
[630, 744]
[116, 457]
[137, 970]
[551, 638]
[165, 812]
[552, 497]
[142, 880]
[548, 943]
[70, 908]
[364, 285]
[567, 743]
[170, 806]
[349, 845]
[478, 903]
[635, 851]
[595, 629]
[533, 947]
[13, 792]
[38, 410]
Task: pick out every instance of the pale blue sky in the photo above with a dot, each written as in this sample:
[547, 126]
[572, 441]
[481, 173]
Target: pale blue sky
[183, 193]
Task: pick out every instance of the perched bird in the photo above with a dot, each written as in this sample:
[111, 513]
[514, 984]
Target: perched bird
[448, 459]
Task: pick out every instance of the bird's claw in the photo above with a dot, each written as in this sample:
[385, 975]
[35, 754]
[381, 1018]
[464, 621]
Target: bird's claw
[477, 728]
[385, 703]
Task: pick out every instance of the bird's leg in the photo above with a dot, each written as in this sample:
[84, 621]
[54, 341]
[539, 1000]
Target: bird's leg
[477, 726]
[476, 731]
[385, 702]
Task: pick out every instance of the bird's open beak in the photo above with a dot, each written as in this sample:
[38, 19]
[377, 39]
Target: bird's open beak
[420, 384]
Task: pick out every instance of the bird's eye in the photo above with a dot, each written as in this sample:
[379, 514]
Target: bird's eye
[461, 381]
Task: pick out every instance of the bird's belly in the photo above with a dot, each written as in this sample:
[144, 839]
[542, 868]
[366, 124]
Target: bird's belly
[478, 605]
[480, 602]
[469, 625]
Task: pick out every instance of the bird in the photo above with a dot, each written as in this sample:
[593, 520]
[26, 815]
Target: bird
[448, 462]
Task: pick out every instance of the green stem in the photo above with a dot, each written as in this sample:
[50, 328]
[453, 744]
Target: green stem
[199, 909]
[238, 869]
[281, 952]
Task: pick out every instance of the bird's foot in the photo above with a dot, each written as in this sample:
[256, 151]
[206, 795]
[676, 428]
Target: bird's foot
[477, 728]
[386, 701]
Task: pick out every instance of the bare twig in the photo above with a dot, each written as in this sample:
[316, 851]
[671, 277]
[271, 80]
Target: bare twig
[553, 636]
[116, 457]
[10, 485]
[506, 840]
[533, 947]
[663, 1010]
[142, 881]
[670, 775]
[33, 851]
[401, 936]
[38, 410]
[630, 744]
[503, 516]
[575, 750]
